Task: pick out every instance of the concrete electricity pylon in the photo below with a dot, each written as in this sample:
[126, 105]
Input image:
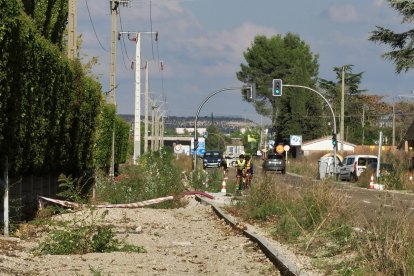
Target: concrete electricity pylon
[146, 108]
[72, 23]
[137, 120]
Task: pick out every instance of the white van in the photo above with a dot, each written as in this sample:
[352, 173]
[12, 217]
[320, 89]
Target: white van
[353, 165]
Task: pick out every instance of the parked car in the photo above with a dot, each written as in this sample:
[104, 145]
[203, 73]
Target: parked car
[274, 162]
[212, 159]
[353, 165]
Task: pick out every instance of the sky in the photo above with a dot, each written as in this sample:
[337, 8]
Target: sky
[201, 45]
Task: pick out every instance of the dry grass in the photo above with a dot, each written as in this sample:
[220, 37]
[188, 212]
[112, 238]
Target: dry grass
[321, 222]
[305, 165]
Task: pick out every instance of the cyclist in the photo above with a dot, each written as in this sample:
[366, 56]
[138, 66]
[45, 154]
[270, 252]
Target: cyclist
[249, 171]
[240, 171]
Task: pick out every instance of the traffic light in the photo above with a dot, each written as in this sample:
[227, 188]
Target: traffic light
[195, 144]
[277, 87]
[334, 141]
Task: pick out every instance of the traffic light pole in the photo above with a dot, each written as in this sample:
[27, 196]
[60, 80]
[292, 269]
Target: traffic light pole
[333, 115]
[251, 87]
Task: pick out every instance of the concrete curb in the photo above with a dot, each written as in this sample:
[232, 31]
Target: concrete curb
[285, 266]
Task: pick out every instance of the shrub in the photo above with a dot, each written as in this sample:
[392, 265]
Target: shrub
[154, 176]
[79, 236]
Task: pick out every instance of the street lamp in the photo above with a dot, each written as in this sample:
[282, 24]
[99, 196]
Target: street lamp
[252, 92]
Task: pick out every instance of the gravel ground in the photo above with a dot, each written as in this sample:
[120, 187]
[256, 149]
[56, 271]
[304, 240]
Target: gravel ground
[185, 241]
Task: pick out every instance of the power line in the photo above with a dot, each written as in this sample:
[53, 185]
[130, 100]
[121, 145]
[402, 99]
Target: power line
[123, 38]
[93, 27]
[123, 44]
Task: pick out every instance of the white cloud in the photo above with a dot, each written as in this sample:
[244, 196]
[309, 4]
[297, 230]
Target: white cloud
[343, 13]
[379, 3]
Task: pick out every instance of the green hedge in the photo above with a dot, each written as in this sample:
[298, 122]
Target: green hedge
[49, 108]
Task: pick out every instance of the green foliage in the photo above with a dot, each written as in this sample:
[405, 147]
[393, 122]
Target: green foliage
[401, 43]
[74, 189]
[198, 179]
[354, 103]
[48, 106]
[209, 180]
[251, 139]
[215, 139]
[316, 215]
[109, 124]
[155, 176]
[81, 237]
[288, 58]
[49, 18]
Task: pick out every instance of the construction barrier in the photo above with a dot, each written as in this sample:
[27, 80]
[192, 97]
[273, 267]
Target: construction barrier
[127, 205]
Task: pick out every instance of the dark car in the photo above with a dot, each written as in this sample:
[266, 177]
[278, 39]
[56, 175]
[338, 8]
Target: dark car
[274, 162]
[212, 159]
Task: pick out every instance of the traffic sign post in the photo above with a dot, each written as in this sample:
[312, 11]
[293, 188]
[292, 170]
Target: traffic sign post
[280, 149]
[286, 148]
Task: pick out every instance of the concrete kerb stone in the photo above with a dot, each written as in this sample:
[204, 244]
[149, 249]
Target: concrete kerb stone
[285, 266]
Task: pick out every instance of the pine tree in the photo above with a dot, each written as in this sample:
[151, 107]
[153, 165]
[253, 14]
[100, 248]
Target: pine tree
[297, 111]
[402, 44]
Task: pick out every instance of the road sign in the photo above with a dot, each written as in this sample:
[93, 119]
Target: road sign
[279, 149]
[295, 140]
[286, 148]
[177, 148]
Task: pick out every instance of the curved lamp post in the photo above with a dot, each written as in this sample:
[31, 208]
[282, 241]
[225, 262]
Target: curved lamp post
[330, 107]
[251, 87]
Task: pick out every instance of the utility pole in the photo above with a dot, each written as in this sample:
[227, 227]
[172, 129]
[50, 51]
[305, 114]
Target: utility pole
[72, 19]
[112, 83]
[157, 129]
[153, 110]
[363, 124]
[162, 129]
[114, 9]
[341, 131]
[137, 121]
[146, 109]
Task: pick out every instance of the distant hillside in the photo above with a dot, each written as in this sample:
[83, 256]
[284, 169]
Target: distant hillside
[225, 124]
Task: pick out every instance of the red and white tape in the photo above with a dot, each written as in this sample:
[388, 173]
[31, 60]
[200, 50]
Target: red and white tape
[127, 205]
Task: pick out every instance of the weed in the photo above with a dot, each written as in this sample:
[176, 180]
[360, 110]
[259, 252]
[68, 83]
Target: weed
[96, 271]
[80, 236]
[72, 189]
[387, 244]
[312, 215]
[154, 177]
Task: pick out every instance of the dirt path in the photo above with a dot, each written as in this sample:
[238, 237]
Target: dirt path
[185, 241]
